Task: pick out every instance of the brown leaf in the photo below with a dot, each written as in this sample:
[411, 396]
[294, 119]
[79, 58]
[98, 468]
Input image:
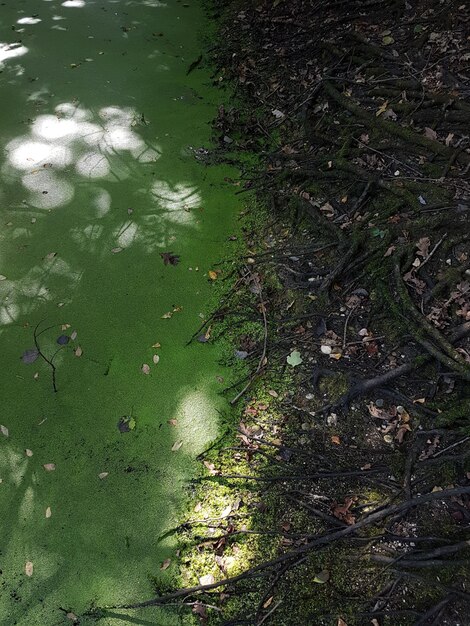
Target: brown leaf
[145, 369]
[176, 446]
[49, 467]
[423, 247]
[430, 133]
[28, 568]
[103, 475]
[336, 440]
[48, 512]
[78, 351]
[166, 564]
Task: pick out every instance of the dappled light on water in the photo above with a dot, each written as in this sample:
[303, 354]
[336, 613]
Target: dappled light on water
[98, 186]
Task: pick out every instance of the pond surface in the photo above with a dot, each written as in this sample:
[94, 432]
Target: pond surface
[97, 182]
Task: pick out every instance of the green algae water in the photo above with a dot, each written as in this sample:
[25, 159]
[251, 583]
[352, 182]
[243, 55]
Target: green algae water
[98, 181]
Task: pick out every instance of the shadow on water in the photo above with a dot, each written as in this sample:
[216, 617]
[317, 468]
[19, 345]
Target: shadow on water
[97, 180]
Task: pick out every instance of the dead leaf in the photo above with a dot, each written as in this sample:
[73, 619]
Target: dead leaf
[157, 345]
[423, 247]
[28, 568]
[166, 564]
[49, 467]
[212, 275]
[172, 422]
[176, 446]
[50, 256]
[103, 475]
[341, 622]
[155, 358]
[382, 109]
[28, 452]
[78, 351]
[336, 440]
[145, 369]
[116, 250]
[430, 133]
[390, 251]
[273, 393]
[342, 512]
[169, 258]
[48, 512]
[268, 602]
[4, 430]
[322, 577]
[71, 616]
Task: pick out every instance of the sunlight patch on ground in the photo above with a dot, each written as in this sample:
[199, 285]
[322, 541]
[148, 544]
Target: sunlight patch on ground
[196, 425]
[74, 3]
[11, 50]
[178, 200]
[28, 20]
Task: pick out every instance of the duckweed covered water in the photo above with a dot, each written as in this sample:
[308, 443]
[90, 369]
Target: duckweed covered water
[97, 181]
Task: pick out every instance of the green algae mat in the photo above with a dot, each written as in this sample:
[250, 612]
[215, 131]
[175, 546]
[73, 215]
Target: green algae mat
[109, 227]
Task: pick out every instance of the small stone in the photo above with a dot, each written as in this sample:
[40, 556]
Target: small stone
[332, 419]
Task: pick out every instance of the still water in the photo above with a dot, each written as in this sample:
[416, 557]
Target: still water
[97, 181]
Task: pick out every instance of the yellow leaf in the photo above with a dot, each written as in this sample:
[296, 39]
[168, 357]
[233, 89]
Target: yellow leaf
[382, 109]
[212, 275]
[48, 512]
[176, 446]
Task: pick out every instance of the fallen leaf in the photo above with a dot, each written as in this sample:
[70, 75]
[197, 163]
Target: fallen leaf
[382, 109]
[28, 452]
[390, 251]
[48, 512]
[430, 133]
[71, 616]
[341, 622]
[2, 277]
[336, 440]
[49, 467]
[172, 422]
[212, 275]
[322, 577]
[73, 336]
[167, 316]
[50, 256]
[294, 358]
[103, 475]
[145, 369]
[388, 40]
[166, 564]
[176, 446]
[157, 345]
[273, 393]
[28, 568]
[116, 250]
[4, 430]
[155, 358]
[268, 602]
[169, 258]
[78, 351]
